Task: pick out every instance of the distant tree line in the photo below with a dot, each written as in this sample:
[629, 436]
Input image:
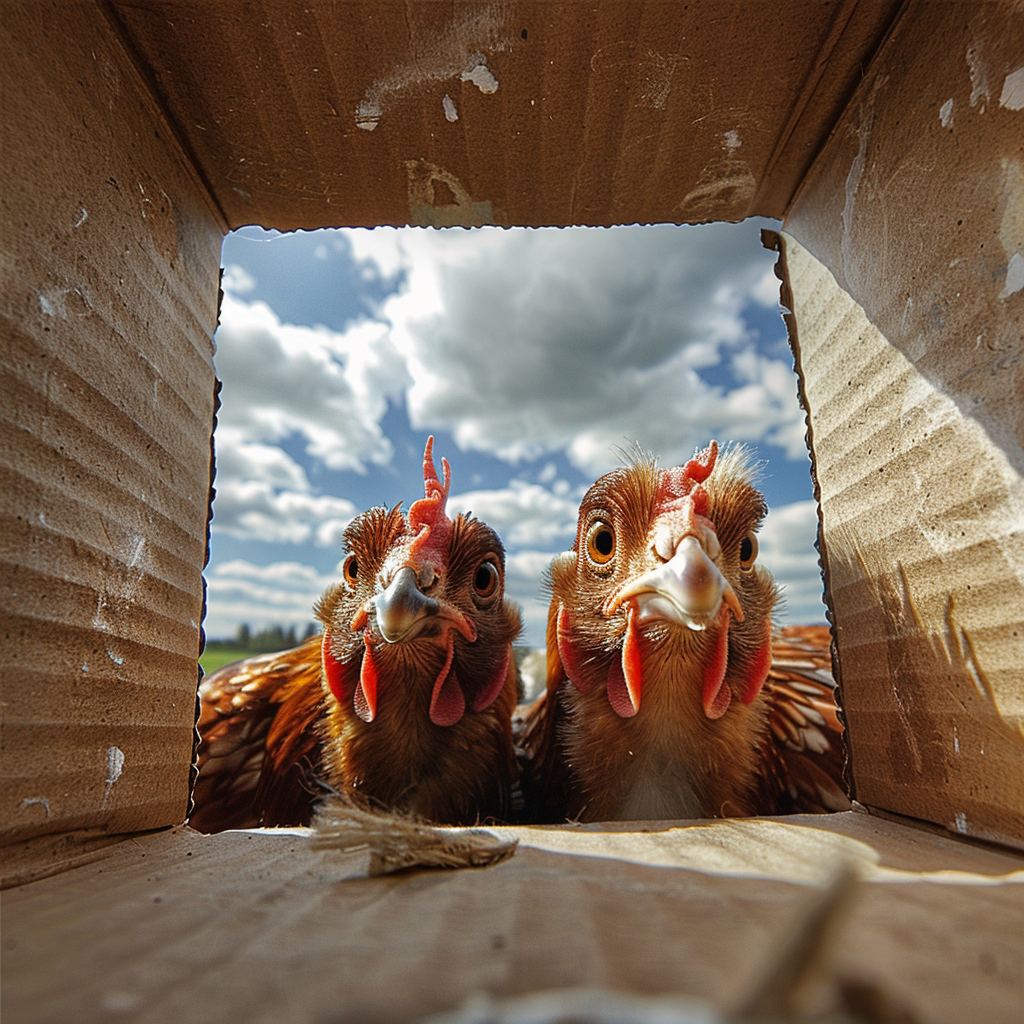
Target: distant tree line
[273, 638]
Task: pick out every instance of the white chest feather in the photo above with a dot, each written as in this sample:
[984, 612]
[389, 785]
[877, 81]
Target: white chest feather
[660, 792]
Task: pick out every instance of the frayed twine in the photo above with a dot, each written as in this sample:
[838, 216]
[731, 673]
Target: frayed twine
[396, 842]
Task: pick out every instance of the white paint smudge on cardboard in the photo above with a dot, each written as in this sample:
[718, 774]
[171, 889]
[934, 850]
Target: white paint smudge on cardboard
[115, 765]
[450, 113]
[1012, 96]
[979, 75]
[31, 801]
[1014, 276]
[1011, 227]
[946, 113]
[481, 76]
[458, 51]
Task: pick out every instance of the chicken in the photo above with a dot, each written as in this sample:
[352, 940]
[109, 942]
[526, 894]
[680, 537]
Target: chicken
[404, 702]
[663, 700]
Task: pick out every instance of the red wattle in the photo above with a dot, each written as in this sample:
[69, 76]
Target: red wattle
[489, 694]
[567, 651]
[366, 691]
[337, 674]
[631, 664]
[618, 691]
[758, 671]
[715, 694]
[447, 702]
[625, 674]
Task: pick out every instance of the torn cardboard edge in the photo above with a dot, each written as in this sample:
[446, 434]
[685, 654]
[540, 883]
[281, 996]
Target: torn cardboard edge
[774, 242]
[911, 517]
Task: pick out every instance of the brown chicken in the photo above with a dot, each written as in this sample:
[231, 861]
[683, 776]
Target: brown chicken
[664, 696]
[404, 702]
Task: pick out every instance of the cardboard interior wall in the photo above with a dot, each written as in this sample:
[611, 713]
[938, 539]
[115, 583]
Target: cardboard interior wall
[108, 307]
[911, 344]
[136, 134]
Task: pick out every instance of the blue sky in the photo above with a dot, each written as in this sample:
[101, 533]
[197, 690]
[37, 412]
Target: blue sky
[529, 354]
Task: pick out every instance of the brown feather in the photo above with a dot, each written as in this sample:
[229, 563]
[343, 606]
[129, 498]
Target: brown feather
[673, 758]
[803, 757]
[279, 731]
[258, 754]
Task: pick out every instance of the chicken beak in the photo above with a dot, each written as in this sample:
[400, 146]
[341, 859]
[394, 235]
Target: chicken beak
[689, 589]
[402, 605]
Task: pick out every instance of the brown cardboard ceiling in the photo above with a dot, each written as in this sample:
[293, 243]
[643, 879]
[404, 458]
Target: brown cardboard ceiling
[304, 116]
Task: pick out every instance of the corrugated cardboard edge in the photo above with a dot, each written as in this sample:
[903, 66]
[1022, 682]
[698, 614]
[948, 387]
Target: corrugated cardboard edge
[148, 88]
[108, 312]
[774, 242]
[54, 854]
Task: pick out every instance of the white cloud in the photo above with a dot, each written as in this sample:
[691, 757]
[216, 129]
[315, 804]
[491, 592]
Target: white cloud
[786, 544]
[237, 280]
[523, 514]
[254, 509]
[766, 291]
[282, 381]
[281, 593]
[522, 342]
[379, 246]
[264, 494]
[239, 460]
[330, 388]
[524, 582]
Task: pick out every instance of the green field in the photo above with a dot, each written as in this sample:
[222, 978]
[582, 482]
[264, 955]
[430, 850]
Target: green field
[214, 657]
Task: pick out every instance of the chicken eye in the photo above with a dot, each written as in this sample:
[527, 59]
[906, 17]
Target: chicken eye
[748, 551]
[485, 582]
[600, 543]
[350, 570]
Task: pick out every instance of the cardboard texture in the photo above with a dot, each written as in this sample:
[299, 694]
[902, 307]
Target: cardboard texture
[890, 137]
[307, 115]
[916, 391]
[107, 307]
[920, 514]
[258, 927]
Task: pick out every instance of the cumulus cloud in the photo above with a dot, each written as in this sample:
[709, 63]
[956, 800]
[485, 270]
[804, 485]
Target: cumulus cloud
[237, 280]
[524, 514]
[524, 583]
[254, 509]
[281, 382]
[522, 342]
[264, 494]
[279, 594]
[330, 388]
[785, 547]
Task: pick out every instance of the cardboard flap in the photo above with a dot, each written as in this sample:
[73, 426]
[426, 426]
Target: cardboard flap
[921, 541]
[320, 114]
[258, 927]
[909, 335]
[108, 305]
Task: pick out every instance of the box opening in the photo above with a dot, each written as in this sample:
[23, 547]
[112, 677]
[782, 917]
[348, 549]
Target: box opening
[536, 358]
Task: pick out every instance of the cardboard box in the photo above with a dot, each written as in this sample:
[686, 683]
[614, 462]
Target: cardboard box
[889, 138]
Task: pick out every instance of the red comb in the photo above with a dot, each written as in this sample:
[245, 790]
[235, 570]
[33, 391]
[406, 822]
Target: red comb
[684, 481]
[427, 518]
